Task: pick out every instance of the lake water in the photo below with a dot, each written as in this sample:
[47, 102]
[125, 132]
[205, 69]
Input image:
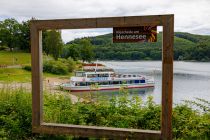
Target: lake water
[191, 79]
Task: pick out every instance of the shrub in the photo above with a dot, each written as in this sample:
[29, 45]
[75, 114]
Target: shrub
[27, 67]
[55, 67]
[121, 111]
[61, 66]
[70, 63]
[16, 117]
[15, 113]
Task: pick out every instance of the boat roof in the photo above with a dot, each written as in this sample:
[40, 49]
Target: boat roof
[95, 72]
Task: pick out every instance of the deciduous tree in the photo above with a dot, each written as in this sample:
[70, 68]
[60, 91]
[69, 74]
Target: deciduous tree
[53, 43]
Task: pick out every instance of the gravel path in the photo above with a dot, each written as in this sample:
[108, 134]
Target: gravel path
[49, 84]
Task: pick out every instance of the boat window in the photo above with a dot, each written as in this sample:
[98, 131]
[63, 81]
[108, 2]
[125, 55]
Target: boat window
[129, 82]
[88, 83]
[124, 76]
[92, 75]
[134, 75]
[115, 82]
[103, 83]
[106, 75]
[129, 75]
[101, 75]
[79, 74]
[112, 75]
[83, 84]
[142, 81]
[136, 81]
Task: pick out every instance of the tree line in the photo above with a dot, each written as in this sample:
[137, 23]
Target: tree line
[15, 35]
[186, 47]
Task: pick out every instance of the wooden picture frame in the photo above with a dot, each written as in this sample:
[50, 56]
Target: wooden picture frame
[38, 126]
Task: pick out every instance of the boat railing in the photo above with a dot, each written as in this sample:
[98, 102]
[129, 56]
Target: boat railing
[127, 75]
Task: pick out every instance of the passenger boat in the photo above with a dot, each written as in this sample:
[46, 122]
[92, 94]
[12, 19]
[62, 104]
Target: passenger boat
[106, 80]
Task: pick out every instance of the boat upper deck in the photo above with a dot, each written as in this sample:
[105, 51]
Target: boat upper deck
[104, 76]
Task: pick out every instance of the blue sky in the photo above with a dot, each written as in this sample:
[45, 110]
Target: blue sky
[190, 15]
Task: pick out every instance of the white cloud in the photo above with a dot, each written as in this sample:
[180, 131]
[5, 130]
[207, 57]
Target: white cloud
[190, 15]
[78, 33]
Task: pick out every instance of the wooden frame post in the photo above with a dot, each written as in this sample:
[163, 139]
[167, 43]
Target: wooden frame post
[38, 126]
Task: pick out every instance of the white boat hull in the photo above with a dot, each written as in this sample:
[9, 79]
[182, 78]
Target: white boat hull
[105, 87]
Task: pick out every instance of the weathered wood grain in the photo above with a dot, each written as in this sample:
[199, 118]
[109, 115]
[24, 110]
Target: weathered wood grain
[167, 78]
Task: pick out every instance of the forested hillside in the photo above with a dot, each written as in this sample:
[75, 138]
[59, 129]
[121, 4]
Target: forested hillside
[186, 47]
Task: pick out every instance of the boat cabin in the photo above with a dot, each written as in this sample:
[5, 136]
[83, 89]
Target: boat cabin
[94, 74]
[105, 78]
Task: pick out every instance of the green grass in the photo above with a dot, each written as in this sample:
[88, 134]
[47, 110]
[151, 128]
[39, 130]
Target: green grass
[9, 75]
[14, 75]
[14, 58]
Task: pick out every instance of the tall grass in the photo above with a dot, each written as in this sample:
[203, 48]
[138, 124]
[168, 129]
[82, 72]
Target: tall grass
[8, 75]
[15, 113]
[14, 58]
[123, 112]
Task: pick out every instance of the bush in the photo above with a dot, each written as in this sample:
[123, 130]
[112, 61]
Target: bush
[55, 67]
[121, 111]
[61, 66]
[27, 67]
[70, 63]
[15, 113]
[16, 117]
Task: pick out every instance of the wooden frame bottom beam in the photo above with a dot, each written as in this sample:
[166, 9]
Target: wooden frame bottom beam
[97, 132]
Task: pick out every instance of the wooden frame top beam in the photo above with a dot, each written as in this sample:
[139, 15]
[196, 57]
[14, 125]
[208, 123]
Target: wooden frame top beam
[104, 22]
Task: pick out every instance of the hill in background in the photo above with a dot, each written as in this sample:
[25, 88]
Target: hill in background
[186, 47]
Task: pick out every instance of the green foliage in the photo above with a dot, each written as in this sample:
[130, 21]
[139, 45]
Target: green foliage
[120, 111]
[86, 50]
[71, 50]
[61, 66]
[16, 116]
[9, 29]
[15, 113]
[79, 49]
[14, 34]
[24, 37]
[27, 67]
[186, 47]
[190, 124]
[55, 67]
[53, 43]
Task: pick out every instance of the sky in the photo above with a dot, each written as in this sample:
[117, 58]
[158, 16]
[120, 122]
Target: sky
[191, 16]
